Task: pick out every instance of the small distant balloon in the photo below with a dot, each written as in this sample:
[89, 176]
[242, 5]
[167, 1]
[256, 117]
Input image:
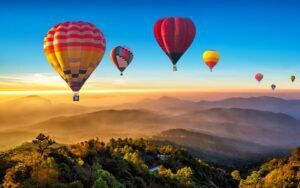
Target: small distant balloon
[174, 35]
[211, 58]
[121, 56]
[259, 77]
[293, 78]
[273, 86]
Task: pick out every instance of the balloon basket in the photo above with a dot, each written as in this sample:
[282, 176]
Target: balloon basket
[76, 97]
[174, 68]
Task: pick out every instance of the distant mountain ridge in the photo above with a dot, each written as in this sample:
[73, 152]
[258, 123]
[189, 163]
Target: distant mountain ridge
[257, 130]
[265, 103]
[217, 149]
[164, 105]
[34, 108]
[179, 106]
[104, 124]
[260, 127]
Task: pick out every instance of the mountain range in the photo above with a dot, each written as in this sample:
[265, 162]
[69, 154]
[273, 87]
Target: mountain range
[176, 106]
[220, 129]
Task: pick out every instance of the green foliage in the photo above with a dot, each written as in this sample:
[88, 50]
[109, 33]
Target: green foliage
[100, 183]
[236, 175]
[4, 165]
[43, 143]
[183, 175]
[76, 184]
[276, 173]
[135, 159]
[118, 164]
[106, 177]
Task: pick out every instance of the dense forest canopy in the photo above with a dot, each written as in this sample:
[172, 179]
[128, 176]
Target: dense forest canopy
[283, 172]
[130, 163]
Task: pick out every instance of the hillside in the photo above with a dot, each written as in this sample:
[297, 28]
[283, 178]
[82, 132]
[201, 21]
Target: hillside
[164, 105]
[34, 108]
[265, 103]
[177, 106]
[131, 163]
[218, 150]
[104, 123]
[266, 128]
[278, 172]
[251, 126]
[117, 164]
[261, 127]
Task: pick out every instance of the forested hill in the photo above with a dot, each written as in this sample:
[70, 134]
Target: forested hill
[132, 163]
[118, 163]
[283, 172]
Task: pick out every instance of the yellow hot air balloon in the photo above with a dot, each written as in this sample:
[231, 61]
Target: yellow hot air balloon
[74, 49]
[293, 77]
[211, 58]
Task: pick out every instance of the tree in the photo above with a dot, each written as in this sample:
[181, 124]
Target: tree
[136, 159]
[184, 176]
[253, 180]
[165, 172]
[100, 183]
[106, 177]
[236, 175]
[95, 164]
[43, 142]
[76, 184]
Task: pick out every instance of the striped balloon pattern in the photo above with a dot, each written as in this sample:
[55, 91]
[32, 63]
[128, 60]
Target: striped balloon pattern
[174, 35]
[74, 49]
[121, 56]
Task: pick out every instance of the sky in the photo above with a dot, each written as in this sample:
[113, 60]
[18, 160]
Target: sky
[250, 35]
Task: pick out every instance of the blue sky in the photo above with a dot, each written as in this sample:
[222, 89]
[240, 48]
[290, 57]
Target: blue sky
[251, 36]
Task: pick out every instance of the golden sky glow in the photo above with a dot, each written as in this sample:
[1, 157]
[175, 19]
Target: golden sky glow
[178, 82]
[116, 90]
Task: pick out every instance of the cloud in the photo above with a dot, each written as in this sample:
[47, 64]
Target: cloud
[51, 81]
[35, 81]
[35, 78]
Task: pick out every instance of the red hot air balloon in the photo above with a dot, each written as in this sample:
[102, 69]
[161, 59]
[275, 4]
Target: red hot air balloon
[174, 35]
[259, 77]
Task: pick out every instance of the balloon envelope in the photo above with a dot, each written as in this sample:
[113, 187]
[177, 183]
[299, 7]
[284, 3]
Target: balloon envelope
[174, 35]
[293, 77]
[211, 58]
[259, 77]
[74, 49]
[273, 86]
[121, 56]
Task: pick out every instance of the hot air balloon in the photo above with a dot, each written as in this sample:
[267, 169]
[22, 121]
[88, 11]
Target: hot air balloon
[74, 49]
[121, 57]
[273, 86]
[259, 77]
[211, 58]
[174, 35]
[293, 77]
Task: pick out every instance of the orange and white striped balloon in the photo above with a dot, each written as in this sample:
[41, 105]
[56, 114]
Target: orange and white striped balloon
[74, 49]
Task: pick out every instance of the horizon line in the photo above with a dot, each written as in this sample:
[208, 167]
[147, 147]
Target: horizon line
[259, 91]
